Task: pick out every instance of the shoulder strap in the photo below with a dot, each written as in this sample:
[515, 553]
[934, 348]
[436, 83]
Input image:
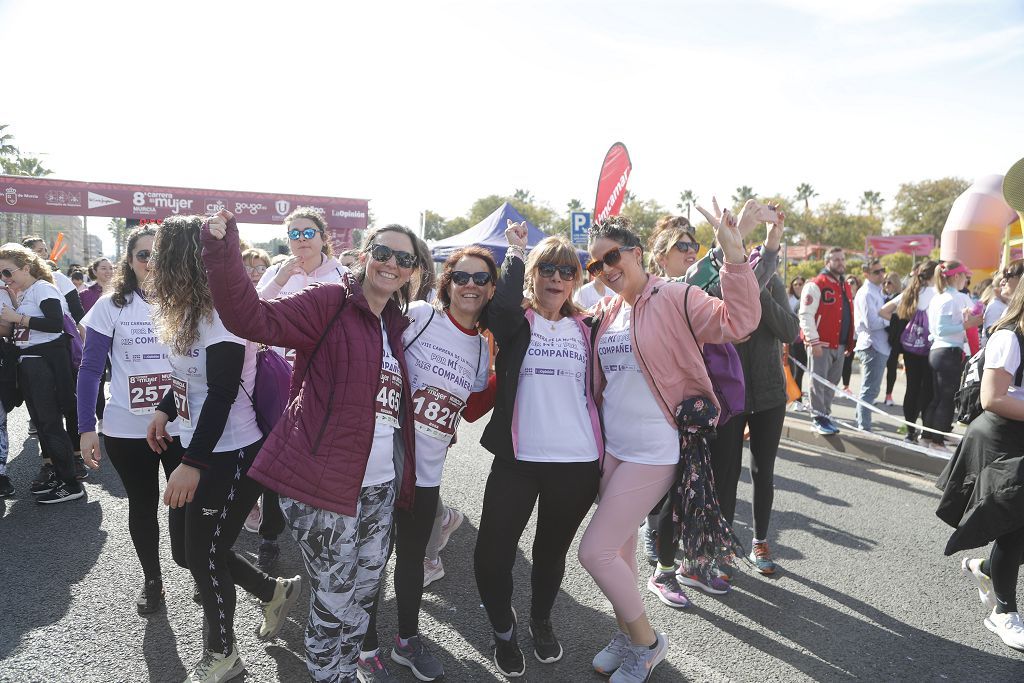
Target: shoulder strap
[1019, 377]
[636, 347]
[323, 336]
[413, 340]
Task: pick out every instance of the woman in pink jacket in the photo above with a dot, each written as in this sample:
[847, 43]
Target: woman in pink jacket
[647, 352]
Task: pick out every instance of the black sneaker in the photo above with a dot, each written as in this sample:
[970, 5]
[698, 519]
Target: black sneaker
[507, 655]
[81, 471]
[650, 544]
[546, 647]
[61, 494]
[151, 598]
[6, 487]
[45, 481]
[267, 556]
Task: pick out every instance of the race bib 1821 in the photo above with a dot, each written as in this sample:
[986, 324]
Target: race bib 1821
[436, 412]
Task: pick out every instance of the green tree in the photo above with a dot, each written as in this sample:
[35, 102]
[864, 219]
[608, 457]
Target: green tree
[743, 193]
[872, 201]
[686, 200]
[523, 196]
[644, 215]
[7, 148]
[899, 263]
[118, 227]
[804, 193]
[574, 205]
[27, 166]
[923, 207]
[435, 227]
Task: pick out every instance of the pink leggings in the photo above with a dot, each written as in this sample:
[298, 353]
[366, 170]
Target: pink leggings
[608, 549]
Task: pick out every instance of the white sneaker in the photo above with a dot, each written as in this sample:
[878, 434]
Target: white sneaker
[452, 520]
[286, 592]
[254, 519]
[640, 661]
[215, 667]
[432, 571]
[972, 570]
[1008, 627]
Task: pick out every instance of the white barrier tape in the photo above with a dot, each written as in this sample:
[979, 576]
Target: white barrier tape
[875, 409]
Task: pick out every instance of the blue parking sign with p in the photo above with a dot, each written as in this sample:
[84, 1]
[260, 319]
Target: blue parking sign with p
[580, 222]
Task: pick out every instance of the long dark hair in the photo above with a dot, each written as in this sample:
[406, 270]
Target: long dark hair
[125, 282]
[448, 268]
[404, 295]
[922, 277]
[181, 292]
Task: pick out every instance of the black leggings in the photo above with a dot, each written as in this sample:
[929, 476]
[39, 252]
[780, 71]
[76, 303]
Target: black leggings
[847, 370]
[919, 388]
[412, 532]
[892, 367]
[799, 352]
[272, 523]
[213, 519]
[39, 384]
[1004, 567]
[138, 467]
[947, 365]
[563, 493]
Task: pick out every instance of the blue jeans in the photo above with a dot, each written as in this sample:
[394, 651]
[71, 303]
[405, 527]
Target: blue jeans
[872, 370]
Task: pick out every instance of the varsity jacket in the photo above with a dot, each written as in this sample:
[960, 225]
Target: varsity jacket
[821, 312]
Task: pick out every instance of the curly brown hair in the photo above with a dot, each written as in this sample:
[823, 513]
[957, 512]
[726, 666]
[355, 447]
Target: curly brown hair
[448, 268]
[181, 292]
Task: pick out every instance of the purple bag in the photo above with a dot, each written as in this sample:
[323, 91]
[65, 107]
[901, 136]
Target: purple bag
[725, 371]
[270, 392]
[75, 341]
[914, 338]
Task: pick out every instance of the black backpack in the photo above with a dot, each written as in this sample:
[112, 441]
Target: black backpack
[967, 401]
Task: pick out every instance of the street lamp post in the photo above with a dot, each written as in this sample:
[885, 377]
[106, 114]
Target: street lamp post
[913, 245]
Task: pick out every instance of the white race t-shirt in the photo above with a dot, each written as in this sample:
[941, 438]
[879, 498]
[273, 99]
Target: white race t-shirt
[445, 366]
[380, 468]
[944, 310]
[635, 428]
[588, 295]
[140, 373]
[924, 297]
[1003, 351]
[63, 283]
[188, 382]
[552, 420]
[31, 298]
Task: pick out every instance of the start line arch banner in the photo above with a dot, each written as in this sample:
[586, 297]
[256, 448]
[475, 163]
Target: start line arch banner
[23, 194]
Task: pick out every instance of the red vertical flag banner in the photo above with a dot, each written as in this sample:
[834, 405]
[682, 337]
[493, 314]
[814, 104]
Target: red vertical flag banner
[611, 184]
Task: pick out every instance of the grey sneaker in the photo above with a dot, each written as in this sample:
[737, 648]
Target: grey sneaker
[610, 658]
[286, 592]
[416, 656]
[640, 661]
[373, 670]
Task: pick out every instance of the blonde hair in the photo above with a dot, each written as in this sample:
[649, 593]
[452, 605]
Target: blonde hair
[662, 240]
[251, 254]
[559, 251]
[23, 256]
[942, 280]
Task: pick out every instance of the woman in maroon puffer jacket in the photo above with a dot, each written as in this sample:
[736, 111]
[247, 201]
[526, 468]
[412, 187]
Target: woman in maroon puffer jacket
[341, 457]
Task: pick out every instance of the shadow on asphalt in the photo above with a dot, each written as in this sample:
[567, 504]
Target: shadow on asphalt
[857, 469]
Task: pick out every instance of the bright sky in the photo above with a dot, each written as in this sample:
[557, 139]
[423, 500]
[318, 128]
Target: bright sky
[418, 105]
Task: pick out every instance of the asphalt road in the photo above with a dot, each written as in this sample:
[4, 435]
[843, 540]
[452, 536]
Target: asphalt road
[864, 591]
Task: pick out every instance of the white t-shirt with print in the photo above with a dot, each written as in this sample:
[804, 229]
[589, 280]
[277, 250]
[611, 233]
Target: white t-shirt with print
[1003, 351]
[31, 298]
[380, 468]
[188, 382]
[445, 366]
[297, 283]
[140, 372]
[552, 420]
[635, 428]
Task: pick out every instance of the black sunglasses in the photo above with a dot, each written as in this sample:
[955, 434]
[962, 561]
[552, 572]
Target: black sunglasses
[1010, 274]
[548, 270]
[612, 258]
[878, 272]
[6, 273]
[308, 233]
[143, 255]
[461, 278]
[684, 246]
[383, 254]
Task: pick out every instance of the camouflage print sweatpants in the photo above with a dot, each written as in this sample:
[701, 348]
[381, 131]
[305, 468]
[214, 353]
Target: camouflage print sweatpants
[345, 557]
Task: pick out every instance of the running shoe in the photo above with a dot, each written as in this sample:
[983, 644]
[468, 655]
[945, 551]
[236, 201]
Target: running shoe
[81, 471]
[373, 670]
[650, 544]
[424, 665]
[761, 556]
[62, 493]
[45, 481]
[546, 647]
[889, 401]
[152, 597]
[267, 555]
[727, 568]
[215, 667]
[971, 568]
[666, 587]
[640, 661]
[6, 487]
[1008, 626]
[713, 586]
[452, 520]
[611, 657]
[507, 655]
[254, 519]
[432, 571]
[824, 426]
[833, 425]
[286, 592]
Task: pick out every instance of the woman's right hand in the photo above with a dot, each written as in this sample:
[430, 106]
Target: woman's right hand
[516, 234]
[156, 432]
[90, 444]
[288, 268]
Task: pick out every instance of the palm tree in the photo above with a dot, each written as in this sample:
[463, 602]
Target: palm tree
[7, 149]
[523, 196]
[743, 193]
[686, 200]
[872, 201]
[574, 205]
[804, 193]
[27, 166]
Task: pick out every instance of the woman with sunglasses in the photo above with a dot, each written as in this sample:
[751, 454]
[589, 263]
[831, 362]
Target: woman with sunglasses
[342, 456]
[448, 360]
[120, 319]
[44, 368]
[209, 491]
[545, 435]
[1003, 287]
[673, 246]
[647, 352]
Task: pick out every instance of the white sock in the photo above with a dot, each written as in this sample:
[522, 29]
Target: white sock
[757, 541]
[507, 635]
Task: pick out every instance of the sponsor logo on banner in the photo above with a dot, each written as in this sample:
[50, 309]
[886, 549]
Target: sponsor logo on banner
[346, 213]
[153, 202]
[252, 207]
[283, 206]
[11, 196]
[63, 198]
[216, 205]
[98, 200]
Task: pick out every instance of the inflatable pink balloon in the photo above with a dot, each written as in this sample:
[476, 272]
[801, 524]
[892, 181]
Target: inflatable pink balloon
[977, 224]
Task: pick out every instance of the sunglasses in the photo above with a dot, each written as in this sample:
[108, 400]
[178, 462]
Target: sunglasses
[6, 273]
[255, 269]
[461, 278]
[383, 254]
[878, 272]
[612, 258]
[143, 255]
[684, 246]
[308, 233]
[1010, 274]
[548, 270]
